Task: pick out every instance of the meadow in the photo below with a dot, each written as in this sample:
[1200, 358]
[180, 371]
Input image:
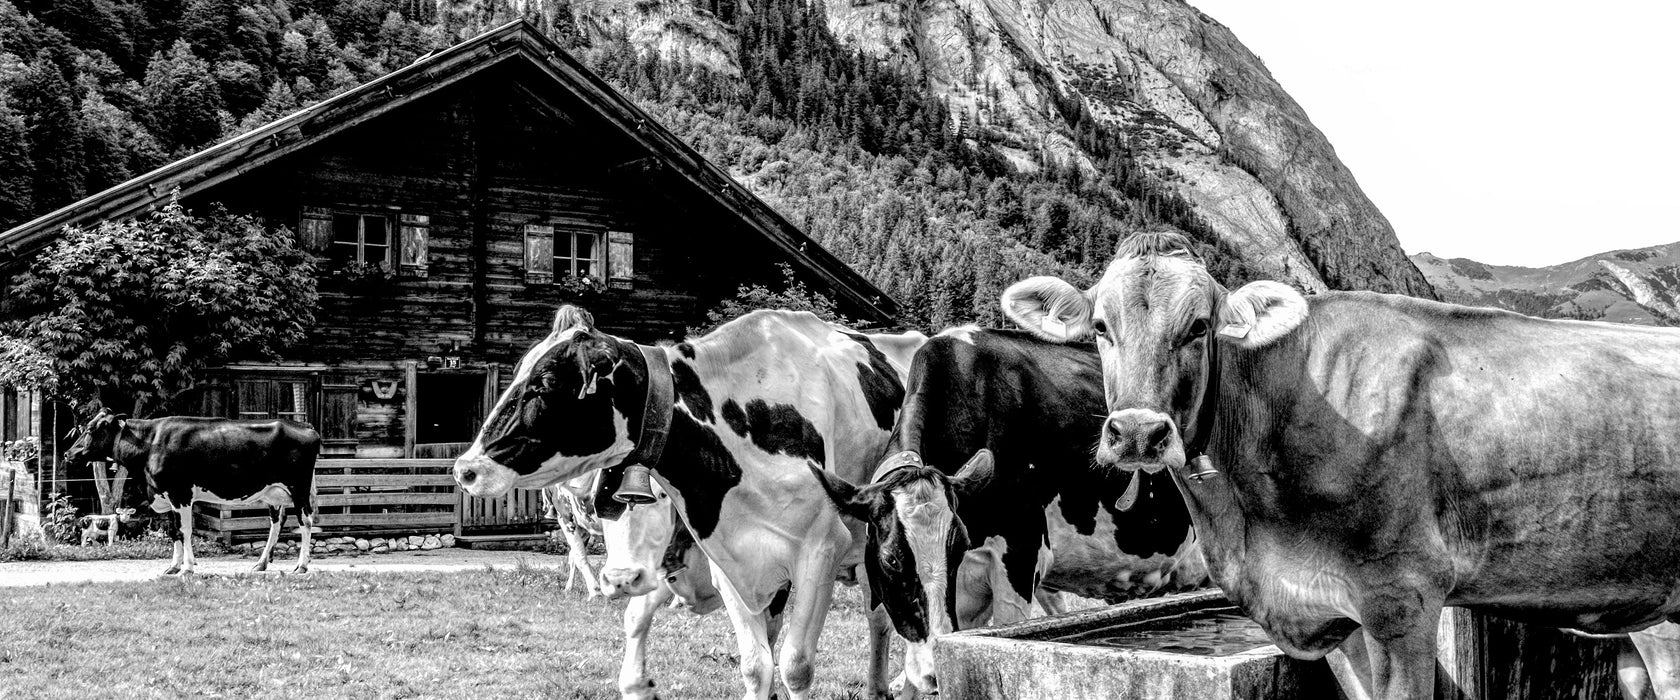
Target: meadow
[492, 633]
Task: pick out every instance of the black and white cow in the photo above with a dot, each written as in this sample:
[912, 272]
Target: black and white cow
[728, 423]
[183, 459]
[1021, 413]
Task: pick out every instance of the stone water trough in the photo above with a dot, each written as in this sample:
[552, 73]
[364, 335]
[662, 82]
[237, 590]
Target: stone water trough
[1191, 645]
[1199, 646]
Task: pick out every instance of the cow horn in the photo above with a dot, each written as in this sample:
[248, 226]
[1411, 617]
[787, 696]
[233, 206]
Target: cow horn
[636, 489]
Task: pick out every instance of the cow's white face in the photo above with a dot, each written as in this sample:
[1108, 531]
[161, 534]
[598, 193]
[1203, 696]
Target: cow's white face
[636, 543]
[563, 415]
[1156, 314]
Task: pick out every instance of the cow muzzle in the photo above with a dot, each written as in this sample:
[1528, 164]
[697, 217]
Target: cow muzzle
[625, 582]
[483, 477]
[1140, 439]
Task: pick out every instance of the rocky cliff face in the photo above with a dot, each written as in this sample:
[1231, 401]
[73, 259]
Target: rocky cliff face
[1625, 286]
[1198, 110]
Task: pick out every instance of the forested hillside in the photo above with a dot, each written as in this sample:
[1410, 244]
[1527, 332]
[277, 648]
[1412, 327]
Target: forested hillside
[852, 148]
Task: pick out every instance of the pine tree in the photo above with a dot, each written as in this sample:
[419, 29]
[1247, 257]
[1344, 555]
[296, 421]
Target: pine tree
[182, 100]
[47, 105]
[16, 202]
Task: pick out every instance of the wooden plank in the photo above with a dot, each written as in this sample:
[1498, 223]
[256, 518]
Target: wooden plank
[347, 480]
[423, 465]
[411, 377]
[381, 499]
[433, 519]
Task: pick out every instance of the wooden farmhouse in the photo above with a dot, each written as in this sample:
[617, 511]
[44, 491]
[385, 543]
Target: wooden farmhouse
[488, 179]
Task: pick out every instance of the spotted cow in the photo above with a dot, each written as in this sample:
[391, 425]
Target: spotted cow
[567, 503]
[245, 462]
[1019, 415]
[727, 422]
[1355, 461]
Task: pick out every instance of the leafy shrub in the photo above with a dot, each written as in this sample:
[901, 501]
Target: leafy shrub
[794, 296]
[60, 518]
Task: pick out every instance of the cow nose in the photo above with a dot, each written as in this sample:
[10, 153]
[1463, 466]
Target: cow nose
[467, 476]
[1137, 434]
[622, 581]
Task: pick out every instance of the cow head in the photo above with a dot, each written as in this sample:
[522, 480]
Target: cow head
[636, 542]
[96, 440]
[1158, 317]
[916, 542]
[575, 399]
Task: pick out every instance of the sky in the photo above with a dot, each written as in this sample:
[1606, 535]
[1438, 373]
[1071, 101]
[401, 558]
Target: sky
[1510, 133]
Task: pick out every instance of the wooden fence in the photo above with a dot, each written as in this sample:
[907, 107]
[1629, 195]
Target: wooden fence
[383, 496]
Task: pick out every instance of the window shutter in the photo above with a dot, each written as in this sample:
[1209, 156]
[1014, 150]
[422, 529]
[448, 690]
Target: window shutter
[621, 259]
[539, 254]
[315, 229]
[416, 229]
[338, 408]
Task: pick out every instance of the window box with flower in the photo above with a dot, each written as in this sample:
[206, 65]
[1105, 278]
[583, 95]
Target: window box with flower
[23, 452]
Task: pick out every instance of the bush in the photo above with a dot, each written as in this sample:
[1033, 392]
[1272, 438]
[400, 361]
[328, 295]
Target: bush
[794, 296]
[59, 520]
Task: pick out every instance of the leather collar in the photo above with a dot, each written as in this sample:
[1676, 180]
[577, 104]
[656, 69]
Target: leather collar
[895, 462]
[656, 410]
[1195, 450]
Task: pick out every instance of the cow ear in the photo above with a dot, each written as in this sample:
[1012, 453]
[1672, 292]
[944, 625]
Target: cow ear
[975, 475]
[852, 501]
[1260, 313]
[1049, 308]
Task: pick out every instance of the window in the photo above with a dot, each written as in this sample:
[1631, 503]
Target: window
[273, 398]
[577, 254]
[361, 238]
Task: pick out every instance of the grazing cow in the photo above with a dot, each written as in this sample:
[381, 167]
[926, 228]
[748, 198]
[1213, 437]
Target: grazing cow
[244, 462]
[1355, 461]
[1024, 414]
[93, 526]
[565, 502]
[652, 540]
[727, 423]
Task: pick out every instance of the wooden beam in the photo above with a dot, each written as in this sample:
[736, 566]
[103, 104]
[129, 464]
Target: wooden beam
[411, 377]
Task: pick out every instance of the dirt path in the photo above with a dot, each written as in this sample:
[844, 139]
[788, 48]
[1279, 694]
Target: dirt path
[39, 573]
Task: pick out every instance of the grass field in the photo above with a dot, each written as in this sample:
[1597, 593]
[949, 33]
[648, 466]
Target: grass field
[489, 634]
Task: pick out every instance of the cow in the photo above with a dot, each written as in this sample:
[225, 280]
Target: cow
[565, 504]
[95, 526]
[1020, 416]
[652, 541]
[1354, 461]
[727, 423]
[187, 459]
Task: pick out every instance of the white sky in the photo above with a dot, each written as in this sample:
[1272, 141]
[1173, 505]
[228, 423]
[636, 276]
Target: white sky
[1514, 133]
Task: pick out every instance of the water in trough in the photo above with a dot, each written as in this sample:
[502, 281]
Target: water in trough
[1206, 632]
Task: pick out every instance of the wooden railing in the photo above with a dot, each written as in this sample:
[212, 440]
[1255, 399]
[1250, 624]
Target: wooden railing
[383, 496]
[362, 496]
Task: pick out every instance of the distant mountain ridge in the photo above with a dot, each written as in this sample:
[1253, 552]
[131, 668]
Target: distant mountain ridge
[1640, 285]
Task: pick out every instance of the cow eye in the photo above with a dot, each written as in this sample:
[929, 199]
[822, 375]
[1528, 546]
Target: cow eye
[1198, 328]
[1100, 327]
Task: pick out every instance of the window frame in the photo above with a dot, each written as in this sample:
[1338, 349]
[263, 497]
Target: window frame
[567, 264]
[362, 215]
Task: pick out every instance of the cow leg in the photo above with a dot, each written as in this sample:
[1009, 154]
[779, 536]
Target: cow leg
[1050, 601]
[188, 561]
[276, 516]
[111, 533]
[633, 680]
[805, 615]
[1659, 649]
[1351, 664]
[751, 638]
[1399, 638]
[306, 522]
[577, 559]
[1631, 674]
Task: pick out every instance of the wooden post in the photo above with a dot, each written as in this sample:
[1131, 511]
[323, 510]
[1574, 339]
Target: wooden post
[460, 502]
[411, 423]
[6, 512]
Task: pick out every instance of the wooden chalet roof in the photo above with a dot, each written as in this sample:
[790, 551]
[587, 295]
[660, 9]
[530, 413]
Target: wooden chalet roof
[516, 41]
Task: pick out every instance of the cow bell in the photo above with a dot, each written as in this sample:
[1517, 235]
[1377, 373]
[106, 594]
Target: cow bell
[636, 489]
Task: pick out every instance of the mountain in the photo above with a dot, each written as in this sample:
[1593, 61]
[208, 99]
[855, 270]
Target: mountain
[1199, 112]
[1625, 286]
[943, 148]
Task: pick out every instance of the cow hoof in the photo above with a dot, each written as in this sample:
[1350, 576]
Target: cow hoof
[301, 570]
[259, 567]
[171, 571]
